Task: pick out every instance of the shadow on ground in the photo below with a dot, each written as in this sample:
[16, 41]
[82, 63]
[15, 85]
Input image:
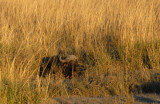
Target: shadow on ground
[144, 99]
[151, 87]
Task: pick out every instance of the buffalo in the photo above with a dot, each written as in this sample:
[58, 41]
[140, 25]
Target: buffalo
[68, 66]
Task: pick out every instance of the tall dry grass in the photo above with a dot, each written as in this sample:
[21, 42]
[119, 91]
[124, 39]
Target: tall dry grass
[116, 40]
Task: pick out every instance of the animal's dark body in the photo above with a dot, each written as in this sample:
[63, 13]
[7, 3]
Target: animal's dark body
[47, 65]
[54, 64]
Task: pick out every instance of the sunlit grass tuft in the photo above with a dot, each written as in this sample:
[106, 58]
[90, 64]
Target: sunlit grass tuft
[117, 41]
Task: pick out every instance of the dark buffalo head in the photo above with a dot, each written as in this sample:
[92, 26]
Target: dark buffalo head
[68, 66]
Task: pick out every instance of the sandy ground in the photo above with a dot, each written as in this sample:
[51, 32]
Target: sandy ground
[131, 99]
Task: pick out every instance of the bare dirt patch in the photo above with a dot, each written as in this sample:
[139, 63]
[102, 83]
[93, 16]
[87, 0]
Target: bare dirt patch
[137, 99]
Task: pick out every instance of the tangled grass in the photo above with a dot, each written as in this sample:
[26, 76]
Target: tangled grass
[117, 41]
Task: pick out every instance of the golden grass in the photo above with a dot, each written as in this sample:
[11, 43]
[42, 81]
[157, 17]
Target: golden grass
[116, 40]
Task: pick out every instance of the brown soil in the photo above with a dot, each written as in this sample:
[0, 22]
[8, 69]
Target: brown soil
[136, 99]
